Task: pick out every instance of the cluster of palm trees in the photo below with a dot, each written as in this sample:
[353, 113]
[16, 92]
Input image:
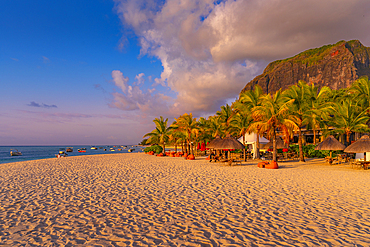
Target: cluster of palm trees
[285, 113]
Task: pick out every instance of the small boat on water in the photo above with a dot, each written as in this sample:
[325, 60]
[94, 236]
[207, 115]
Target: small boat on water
[131, 149]
[69, 149]
[81, 150]
[62, 153]
[15, 153]
[94, 148]
[112, 149]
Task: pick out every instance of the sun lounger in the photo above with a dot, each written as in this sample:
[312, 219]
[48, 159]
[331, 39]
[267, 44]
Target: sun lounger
[234, 162]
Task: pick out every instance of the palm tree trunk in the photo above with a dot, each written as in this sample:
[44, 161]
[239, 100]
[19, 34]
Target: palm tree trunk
[244, 153]
[164, 149]
[274, 154]
[348, 135]
[190, 145]
[300, 144]
[314, 136]
[257, 155]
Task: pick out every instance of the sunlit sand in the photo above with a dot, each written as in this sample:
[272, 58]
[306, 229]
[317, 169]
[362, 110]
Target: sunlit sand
[142, 200]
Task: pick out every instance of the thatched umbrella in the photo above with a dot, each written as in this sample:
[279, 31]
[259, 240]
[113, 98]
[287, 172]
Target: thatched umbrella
[330, 143]
[362, 145]
[214, 141]
[229, 142]
[279, 144]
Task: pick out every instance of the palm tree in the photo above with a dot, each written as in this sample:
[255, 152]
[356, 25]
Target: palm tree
[175, 136]
[215, 126]
[204, 131]
[318, 110]
[349, 117]
[189, 125]
[180, 135]
[332, 95]
[299, 94]
[161, 133]
[272, 115]
[247, 101]
[361, 91]
[239, 125]
[225, 116]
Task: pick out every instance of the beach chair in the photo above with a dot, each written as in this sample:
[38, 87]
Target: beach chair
[281, 157]
[355, 163]
[268, 156]
[215, 158]
[249, 156]
[292, 156]
[342, 158]
[331, 160]
[234, 162]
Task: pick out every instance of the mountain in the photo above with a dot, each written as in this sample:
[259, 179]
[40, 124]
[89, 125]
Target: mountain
[336, 66]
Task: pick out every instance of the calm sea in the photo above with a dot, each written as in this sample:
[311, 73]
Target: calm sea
[45, 152]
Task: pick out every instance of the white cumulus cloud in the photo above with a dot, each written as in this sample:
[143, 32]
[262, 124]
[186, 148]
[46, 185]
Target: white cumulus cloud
[132, 97]
[210, 49]
[140, 78]
[120, 80]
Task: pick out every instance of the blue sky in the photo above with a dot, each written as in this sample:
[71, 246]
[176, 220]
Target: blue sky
[98, 72]
[56, 53]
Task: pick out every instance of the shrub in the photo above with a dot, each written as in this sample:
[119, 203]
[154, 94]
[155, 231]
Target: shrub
[310, 152]
[155, 148]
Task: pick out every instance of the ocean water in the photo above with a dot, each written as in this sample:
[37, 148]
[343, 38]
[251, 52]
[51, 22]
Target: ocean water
[45, 152]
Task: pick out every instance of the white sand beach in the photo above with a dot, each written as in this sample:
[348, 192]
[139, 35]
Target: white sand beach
[142, 200]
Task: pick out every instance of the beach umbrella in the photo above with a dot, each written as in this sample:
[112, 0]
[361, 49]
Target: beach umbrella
[279, 144]
[214, 141]
[330, 143]
[362, 145]
[198, 147]
[203, 147]
[229, 142]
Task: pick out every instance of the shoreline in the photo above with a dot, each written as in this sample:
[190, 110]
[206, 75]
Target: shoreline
[138, 199]
[78, 155]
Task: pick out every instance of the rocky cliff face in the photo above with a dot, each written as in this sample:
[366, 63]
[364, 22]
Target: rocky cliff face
[336, 66]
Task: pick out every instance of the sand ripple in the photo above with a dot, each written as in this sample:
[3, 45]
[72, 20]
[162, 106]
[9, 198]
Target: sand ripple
[141, 200]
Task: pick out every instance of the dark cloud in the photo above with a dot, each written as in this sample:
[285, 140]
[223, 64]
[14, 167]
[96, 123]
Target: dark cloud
[42, 105]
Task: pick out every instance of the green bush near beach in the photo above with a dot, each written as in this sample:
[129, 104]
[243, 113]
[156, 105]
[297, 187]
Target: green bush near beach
[156, 148]
[310, 152]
